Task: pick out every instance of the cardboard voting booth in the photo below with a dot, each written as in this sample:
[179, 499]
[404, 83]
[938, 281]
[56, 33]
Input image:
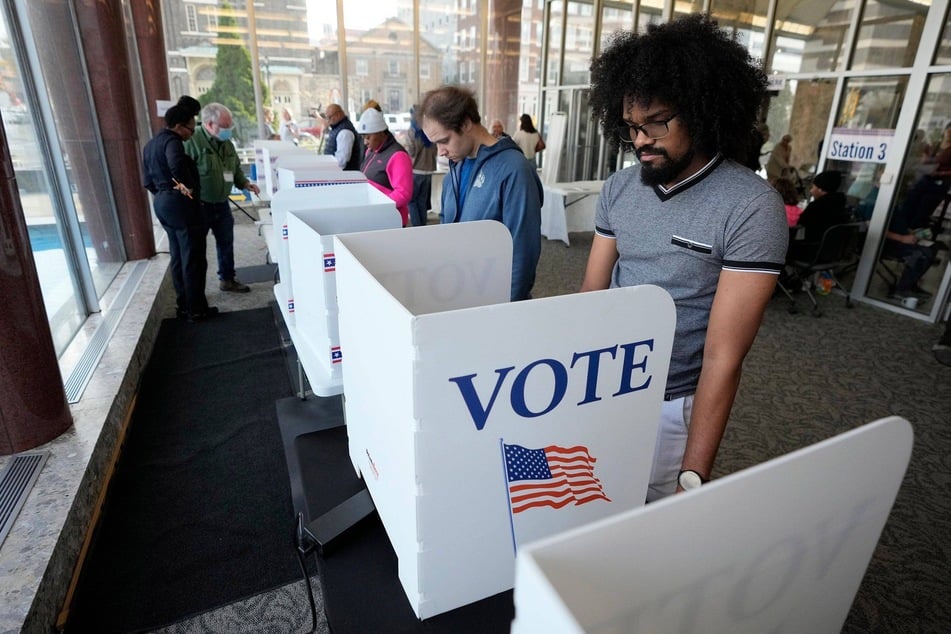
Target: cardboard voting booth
[313, 267]
[268, 156]
[332, 196]
[303, 176]
[779, 547]
[480, 425]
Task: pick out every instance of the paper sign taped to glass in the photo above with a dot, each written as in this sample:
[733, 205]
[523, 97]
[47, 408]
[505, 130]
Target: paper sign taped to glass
[480, 425]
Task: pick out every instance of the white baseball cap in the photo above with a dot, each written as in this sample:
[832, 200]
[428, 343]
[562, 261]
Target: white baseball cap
[371, 121]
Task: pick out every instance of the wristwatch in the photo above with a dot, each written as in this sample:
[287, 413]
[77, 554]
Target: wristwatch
[689, 479]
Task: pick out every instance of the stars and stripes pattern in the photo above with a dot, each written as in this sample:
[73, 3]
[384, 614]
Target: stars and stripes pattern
[336, 356]
[551, 476]
[330, 263]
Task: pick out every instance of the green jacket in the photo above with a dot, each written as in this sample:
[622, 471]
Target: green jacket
[214, 158]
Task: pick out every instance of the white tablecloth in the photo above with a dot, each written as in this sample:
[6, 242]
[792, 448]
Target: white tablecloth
[569, 207]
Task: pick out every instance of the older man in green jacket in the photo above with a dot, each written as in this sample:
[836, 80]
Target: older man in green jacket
[219, 168]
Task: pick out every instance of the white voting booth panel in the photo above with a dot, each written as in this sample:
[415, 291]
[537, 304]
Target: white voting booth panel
[479, 424]
[312, 261]
[309, 175]
[779, 547]
[267, 158]
[334, 196]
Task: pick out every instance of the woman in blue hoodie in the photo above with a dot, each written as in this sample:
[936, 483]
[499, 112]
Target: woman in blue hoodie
[489, 178]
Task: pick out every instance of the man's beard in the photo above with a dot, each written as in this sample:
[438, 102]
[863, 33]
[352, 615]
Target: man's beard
[652, 176]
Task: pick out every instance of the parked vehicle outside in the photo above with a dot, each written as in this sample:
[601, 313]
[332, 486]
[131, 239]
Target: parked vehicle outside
[398, 123]
[311, 132]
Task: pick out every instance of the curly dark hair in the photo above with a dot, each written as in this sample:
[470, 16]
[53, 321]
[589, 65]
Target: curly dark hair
[179, 114]
[691, 65]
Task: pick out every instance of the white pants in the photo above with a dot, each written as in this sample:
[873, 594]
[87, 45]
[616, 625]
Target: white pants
[669, 448]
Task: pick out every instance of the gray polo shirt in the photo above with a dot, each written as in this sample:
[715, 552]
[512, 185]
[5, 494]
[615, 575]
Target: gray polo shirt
[724, 217]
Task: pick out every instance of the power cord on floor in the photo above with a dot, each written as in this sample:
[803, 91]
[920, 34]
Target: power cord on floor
[242, 209]
[305, 545]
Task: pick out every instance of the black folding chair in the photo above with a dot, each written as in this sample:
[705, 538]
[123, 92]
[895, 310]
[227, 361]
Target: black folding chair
[837, 252]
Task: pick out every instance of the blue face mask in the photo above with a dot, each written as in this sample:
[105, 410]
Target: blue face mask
[224, 134]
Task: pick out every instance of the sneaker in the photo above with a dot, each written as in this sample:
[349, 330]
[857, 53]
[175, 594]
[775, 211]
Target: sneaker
[208, 313]
[233, 286]
[942, 352]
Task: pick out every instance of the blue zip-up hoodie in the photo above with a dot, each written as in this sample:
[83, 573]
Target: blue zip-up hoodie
[503, 186]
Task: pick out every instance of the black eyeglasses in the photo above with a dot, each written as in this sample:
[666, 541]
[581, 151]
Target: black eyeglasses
[627, 132]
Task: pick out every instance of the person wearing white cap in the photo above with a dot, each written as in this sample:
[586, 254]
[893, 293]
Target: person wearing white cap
[386, 164]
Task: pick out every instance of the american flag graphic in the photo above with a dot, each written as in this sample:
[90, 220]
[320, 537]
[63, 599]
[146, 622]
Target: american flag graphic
[330, 263]
[552, 476]
[290, 305]
[335, 355]
[284, 232]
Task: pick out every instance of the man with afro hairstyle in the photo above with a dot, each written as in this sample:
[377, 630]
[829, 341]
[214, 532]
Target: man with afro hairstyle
[690, 218]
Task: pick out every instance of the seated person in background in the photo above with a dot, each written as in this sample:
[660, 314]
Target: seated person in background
[787, 190]
[497, 129]
[904, 244]
[826, 210]
[930, 190]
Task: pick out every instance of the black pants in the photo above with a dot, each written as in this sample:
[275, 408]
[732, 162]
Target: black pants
[185, 226]
[917, 260]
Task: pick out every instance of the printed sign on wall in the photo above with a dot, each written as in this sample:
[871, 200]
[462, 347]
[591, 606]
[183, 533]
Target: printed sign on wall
[860, 145]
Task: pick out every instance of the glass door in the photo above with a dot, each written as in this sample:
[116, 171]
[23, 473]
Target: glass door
[912, 258]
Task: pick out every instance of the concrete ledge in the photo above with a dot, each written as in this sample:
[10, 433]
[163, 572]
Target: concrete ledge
[41, 554]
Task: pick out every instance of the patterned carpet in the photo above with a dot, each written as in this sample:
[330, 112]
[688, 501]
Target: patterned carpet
[805, 380]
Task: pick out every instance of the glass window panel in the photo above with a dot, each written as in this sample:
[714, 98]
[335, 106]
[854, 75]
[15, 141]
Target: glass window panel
[687, 7]
[91, 208]
[810, 36]
[615, 16]
[922, 200]
[467, 50]
[502, 86]
[800, 109]
[556, 19]
[870, 106]
[579, 43]
[888, 35]
[746, 19]
[62, 308]
[73, 225]
[943, 55]
[649, 13]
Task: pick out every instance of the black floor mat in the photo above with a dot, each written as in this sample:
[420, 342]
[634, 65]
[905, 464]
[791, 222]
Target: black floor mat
[199, 510]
